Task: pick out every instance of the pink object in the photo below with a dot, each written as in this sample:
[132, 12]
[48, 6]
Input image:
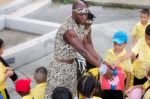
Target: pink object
[117, 83]
[135, 94]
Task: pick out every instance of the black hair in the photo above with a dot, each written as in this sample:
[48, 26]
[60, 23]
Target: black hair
[41, 74]
[86, 85]
[61, 93]
[145, 11]
[1, 43]
[147, 31]
[90, 16]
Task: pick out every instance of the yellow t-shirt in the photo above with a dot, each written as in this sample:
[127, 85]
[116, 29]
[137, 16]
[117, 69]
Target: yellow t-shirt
[147, 95]
[143, 62]
[2, 76]
[94, 72]
[145, 86]
[27, 97]
[139, 30]
[111, 57]
[94, 97]
[38, 92]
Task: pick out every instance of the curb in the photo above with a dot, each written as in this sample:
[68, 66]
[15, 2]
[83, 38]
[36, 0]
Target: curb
[118, 5]
[112, 4]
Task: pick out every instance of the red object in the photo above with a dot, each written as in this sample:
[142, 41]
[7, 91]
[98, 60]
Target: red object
[23, 85]
[117, 83]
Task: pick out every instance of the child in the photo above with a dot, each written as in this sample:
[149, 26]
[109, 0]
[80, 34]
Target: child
[142, 48]
[14, 76]
[86, 86]
[145, 87]
[61, 93]
[119, 41]
[23, 88]
[5, 72]
[40, 76]
[139, 29]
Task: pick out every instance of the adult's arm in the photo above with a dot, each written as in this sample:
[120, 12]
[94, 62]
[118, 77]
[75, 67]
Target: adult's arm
[87, 41]
[71, 38]
[126, 56]
[14, 77]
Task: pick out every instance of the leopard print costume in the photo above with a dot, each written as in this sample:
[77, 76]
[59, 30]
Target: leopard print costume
[59, 73]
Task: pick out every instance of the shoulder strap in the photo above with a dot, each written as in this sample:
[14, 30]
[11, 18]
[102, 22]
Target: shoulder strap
[145, 92]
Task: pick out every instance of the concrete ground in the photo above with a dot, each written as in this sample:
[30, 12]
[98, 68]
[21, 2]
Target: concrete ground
[103, 14]
[13, 37]
[122, 3]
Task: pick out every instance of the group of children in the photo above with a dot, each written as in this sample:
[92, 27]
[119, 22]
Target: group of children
[137, 71]
[135, 66]
[22, 86]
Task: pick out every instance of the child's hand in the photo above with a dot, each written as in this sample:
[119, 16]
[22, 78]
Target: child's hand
[128, 91]
[9, 73]
[9, 69]
[115, 63]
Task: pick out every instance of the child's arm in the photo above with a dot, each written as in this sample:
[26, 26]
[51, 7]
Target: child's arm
[5, 76]
[126, 56]
[128, 91]
[128, 77]
[14, 76]
[134, 40]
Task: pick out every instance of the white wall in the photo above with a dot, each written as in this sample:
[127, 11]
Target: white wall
[29, 25]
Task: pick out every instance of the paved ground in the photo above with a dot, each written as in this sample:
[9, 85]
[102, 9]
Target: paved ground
[13, 37]
[122, 3]
[103, 14]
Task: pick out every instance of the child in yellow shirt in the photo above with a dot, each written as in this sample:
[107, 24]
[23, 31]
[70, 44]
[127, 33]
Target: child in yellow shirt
[139, 29]
[40, 76]
[145, 87]
[5, 72]
[142, 48]
[22, 87]
[119, 39]
[86, 87]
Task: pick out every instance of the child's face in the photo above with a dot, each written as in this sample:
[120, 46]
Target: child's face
[144, 18]
[119, 47]
[1, 50]
[147, 39]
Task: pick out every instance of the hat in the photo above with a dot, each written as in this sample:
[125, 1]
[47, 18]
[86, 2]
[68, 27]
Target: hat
[90, 16]
[23, 85]
[120, 37]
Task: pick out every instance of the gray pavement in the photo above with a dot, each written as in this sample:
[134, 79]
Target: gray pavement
[13, 37]
[121, 3]
[57, 13]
